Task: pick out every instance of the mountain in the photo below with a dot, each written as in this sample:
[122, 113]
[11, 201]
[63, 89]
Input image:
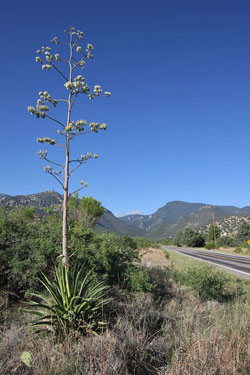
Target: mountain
[230, 225]
[177, 215]
[107, 223]
[38, 200]
[169, 213]
[111, 224]
[165, 222]
[195, 220]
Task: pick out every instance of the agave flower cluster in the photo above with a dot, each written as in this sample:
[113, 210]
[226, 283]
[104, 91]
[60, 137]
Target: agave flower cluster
[48, 140]
[41, 106]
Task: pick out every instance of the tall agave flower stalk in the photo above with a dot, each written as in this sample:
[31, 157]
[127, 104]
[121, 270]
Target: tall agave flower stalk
[75, 85]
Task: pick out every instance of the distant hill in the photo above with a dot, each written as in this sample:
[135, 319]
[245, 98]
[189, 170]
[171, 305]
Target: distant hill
[194, 220]
[169, 213]
[107, 223]
[165, 222]
[230, 225]
[38, 200]
[177, 215]
[111, 224]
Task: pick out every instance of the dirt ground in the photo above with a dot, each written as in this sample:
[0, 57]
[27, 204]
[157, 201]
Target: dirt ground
[153, 257]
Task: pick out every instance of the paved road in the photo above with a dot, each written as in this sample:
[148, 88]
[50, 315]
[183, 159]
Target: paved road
[236, 264]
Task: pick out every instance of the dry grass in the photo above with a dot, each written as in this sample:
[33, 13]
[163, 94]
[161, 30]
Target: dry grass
[177, 334]
[153, 258]
[180, 336]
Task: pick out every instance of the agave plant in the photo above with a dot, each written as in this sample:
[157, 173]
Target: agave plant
[71, 303]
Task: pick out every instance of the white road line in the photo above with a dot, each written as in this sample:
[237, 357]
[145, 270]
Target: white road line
[214, 264]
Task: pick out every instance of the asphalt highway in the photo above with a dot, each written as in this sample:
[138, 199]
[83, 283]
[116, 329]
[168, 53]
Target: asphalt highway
[236, 264]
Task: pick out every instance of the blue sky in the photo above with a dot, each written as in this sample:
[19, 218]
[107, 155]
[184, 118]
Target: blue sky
[179, 114]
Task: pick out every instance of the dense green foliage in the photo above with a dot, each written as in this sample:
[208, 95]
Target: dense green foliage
[213, 232]
[225, 241]
[209, 283]
[30, 245]
[243, 233]
[85, 210]
[189, 238]
[211, 245]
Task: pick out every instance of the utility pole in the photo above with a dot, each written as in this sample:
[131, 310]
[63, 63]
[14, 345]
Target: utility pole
[214, 230]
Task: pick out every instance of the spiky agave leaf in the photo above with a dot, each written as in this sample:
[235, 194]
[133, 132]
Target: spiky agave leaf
[70, 304]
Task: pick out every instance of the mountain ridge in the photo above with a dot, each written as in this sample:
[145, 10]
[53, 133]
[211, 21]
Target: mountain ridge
[164, 222]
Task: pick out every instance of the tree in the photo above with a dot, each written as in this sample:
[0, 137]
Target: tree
[75, 85]
[193, 238]
[85, 210]
[213, 232]
[178, 239]
[243, 233]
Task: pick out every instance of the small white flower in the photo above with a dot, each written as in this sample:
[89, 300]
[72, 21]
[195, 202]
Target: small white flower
[31, 110]
[78, 49]
[57, 57]
[49, 58]
[68, 85]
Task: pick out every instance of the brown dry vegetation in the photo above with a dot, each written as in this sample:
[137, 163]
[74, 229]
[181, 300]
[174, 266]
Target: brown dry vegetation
[167, 332]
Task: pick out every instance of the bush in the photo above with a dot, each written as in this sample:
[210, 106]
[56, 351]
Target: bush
[189, 238]
[28, 245]
[225, 241]
[211, 245]
[238, 250]
[137, 280]
[178, 239]
[209, 283]
[167, 254]
[110, 255]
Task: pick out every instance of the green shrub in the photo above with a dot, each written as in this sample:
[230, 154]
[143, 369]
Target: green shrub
[110, 255]
[137, 280]
[209, 283]
[28, 245]
[238, 250]
[225, 241]
[167, 254]
[211, 245]
[192, 238]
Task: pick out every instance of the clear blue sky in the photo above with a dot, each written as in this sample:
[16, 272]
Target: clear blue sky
[179, 114]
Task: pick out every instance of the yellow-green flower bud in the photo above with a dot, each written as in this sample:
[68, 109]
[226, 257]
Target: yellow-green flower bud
[31, 110]
[103, 126]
